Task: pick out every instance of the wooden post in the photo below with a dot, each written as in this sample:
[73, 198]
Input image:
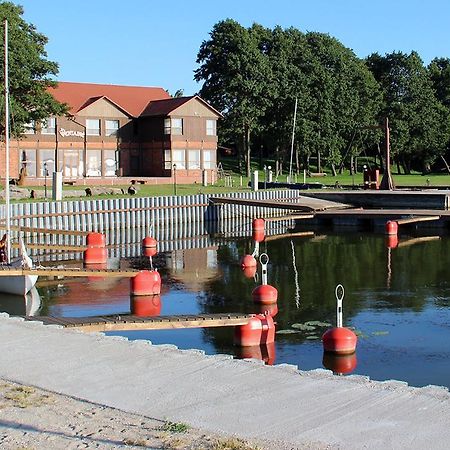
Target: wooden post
[387, 182]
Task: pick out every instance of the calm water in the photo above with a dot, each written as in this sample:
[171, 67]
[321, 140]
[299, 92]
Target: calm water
[398, 301]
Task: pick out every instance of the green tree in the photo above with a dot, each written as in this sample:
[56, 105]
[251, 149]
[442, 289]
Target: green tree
[439, 71]
[235, 73]
[30, 72]
[419, 122]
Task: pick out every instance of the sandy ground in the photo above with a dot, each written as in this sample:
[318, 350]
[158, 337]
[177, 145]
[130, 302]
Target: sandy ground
[31, 418]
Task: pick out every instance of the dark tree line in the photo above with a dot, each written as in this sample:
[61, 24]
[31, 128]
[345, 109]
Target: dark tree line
[254, 76]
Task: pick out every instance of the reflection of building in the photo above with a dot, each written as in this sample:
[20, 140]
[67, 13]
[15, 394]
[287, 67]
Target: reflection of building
[113, 131]
[194, 267]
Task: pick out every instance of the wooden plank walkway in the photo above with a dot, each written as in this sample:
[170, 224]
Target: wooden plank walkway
[300, 204]
[73, 272]
[130, 322]
[393, 214]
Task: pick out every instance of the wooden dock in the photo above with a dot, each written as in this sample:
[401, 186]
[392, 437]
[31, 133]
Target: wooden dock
[300, 204]
[66, 272]
[133, 323]
[340, 213]
[405, 199]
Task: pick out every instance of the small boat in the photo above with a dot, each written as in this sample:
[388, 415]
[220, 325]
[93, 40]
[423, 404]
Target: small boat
[12, 284]
[21, 305]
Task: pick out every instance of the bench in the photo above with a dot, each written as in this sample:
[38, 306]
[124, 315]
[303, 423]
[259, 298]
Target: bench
[138, 182]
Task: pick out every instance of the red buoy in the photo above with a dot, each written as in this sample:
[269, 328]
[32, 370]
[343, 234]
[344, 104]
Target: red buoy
[260, 329]
[248, 261]
[265, 294]
[392, 241]
[95, 240]
[149, 242]
[146, 282]
[258, 235]
[271, 309]
[391, 227]
[339, 340]
[249, 272]
[258, 225]
[264, 352]
[149, 251]
[146, 305]
[95, 255]
[339, 364]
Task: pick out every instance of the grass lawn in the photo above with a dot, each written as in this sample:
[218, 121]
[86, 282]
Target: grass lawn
[240, 184]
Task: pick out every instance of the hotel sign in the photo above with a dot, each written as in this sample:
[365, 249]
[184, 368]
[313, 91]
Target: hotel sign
[70, 133]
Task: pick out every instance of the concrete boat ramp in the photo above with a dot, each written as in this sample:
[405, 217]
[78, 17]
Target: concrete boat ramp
[279, 407]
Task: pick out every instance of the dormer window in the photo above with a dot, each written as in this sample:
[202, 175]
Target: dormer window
[111, 127]
[48, 126]
[93, 127]
[210, 127]
[173, 126]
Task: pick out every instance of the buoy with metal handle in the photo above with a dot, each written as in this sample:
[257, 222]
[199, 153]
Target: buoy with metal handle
[265, 293]
[339, 340]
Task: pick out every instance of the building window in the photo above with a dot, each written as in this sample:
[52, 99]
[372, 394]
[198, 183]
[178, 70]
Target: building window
[167, 159]
[210, 127]
[71, 163]
[194, 159]
[30, 128]
[166, 126]
[46, 161]
[28, 162]
[208, 159]
[111, 127]
[110, 163]
[93, 127]
[48, 126]
[179, 158]
[173, 126]
[93, 163]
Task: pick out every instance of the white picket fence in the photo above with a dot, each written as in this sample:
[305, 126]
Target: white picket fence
[176, 222]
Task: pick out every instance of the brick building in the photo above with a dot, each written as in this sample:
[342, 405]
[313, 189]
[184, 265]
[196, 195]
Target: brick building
[114, 134]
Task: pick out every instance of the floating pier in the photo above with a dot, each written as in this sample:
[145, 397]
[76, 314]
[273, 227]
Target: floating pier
[66, 272]
[130, 322]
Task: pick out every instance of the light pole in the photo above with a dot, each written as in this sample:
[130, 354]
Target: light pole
[45, 179]
[175, 179]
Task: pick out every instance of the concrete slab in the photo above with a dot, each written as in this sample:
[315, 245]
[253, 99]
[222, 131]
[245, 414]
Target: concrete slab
[280, 405]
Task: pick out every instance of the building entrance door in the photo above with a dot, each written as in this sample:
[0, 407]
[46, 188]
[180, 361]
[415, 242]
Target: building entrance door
[72, 164]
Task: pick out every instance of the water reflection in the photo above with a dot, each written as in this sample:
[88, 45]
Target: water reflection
[264, 352]
[21, 305]
[397, 298]
[339, 364]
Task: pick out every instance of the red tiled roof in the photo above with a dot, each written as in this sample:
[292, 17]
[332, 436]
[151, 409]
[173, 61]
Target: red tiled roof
[132, 99]
[164, 107]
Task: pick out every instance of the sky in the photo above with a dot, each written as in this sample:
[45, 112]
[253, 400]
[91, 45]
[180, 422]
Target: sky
[155, 43]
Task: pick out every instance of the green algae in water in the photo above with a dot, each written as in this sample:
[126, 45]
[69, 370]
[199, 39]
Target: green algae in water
[303, 327]
[287, 332]
[318, 323]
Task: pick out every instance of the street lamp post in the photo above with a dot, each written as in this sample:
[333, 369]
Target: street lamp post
[175, 179]
[45, 179]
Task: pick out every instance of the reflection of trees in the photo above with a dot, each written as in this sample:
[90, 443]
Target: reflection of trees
[358, 261]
